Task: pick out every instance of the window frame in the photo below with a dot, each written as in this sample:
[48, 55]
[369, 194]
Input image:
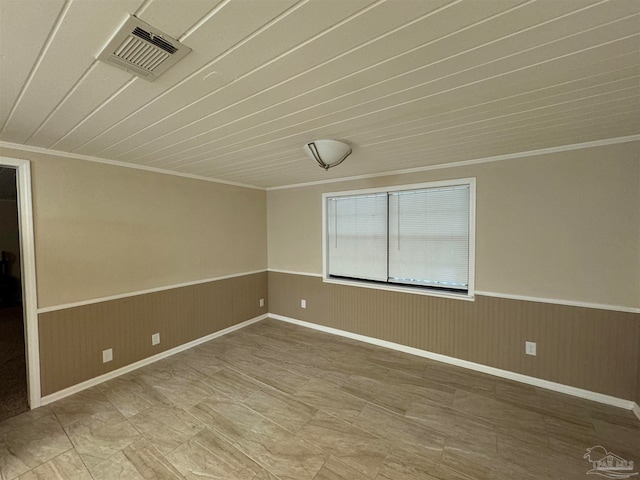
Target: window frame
[395, 287]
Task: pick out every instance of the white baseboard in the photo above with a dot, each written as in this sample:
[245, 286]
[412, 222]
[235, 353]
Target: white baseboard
[133, 366]
[518, 377]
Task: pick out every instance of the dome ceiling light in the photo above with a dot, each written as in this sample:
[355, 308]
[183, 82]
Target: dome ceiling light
[328, 153]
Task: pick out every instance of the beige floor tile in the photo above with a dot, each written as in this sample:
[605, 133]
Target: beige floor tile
[281, 408]
[166, 427]
[378, 393]
[402, 465]
[319, 369]
[461, 379]
[423, 388]
[67, 466]
[88, 405]
[272, 375]
[265, 475]
[167, 370]
[449, 422]
[399, 363]
[95, 440]
[331, 399]
[520, 395]
[334, 469]
[463, 458]
[130, 395]
[499, 413]
[353, 446]
[226, 415]
[402, 432]
[203, 361]
[209, 455]
[27, 441]
[234, 384]
[281, 453]
[138, 461]
[346, 363]
[621, 437]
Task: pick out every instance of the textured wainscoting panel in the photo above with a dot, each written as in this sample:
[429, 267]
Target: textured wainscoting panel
[638, 363]
[72, 339]
[587, 348]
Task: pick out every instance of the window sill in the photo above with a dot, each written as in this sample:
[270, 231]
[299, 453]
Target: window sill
[402, 289]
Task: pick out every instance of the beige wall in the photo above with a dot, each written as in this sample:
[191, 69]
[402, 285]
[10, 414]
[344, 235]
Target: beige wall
[103, 230]
[561, 226]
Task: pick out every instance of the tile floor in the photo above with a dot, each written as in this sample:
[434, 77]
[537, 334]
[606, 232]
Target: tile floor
[277, 401]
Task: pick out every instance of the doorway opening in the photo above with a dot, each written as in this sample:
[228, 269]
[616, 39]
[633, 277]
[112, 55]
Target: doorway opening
[19, 346]
[13, 365]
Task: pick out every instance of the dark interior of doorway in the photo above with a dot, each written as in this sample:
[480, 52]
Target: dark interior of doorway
[13, 371]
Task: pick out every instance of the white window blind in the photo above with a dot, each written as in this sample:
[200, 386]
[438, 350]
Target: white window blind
[429, 237]
[357, 236]
[396, 238]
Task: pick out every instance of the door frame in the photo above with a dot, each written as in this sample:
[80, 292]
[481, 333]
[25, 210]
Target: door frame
[28, 275]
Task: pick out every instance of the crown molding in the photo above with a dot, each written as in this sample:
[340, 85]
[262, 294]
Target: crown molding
[464, 163]
[89, 158]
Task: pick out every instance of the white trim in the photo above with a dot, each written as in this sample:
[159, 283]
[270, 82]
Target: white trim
[464, 163]
[518, 377]
[393, 287]
[636, 410]
[571, 303]
[146, 361]
[28, 267]
[291, 272]
[143, 292]
[89, 158]
[555, 301]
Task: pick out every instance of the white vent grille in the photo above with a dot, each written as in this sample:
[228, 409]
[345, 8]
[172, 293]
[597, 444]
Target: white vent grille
[142, 50]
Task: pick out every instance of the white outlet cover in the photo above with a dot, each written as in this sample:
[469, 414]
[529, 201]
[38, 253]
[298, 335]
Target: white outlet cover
[155, 339]
[107, 355]
[530, 348]
[262, 302]
[303, 303]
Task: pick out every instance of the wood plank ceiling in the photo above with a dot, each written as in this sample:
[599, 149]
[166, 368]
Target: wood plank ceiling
[408, 83]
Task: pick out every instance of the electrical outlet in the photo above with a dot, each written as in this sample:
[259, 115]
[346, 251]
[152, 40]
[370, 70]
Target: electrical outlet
[262, 302]
[530, 348]
[303, 303]
[155, 339]
[107, 355]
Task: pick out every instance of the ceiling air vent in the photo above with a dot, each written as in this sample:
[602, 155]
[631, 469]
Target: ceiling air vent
[142, 50]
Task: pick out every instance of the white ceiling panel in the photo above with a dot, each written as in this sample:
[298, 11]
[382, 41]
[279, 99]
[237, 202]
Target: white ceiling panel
[296, 26]
[420, 97]
[178, 18]
[218, 37]
[294, 74]
[363, 95]
[350, 70]
[20, 47]
[408, 83]
[96, 87]
[65, 63]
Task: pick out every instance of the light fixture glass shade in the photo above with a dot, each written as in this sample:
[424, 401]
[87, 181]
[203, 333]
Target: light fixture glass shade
[328, 153]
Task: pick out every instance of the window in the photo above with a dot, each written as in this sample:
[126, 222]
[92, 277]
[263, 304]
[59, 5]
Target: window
[417, 238]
